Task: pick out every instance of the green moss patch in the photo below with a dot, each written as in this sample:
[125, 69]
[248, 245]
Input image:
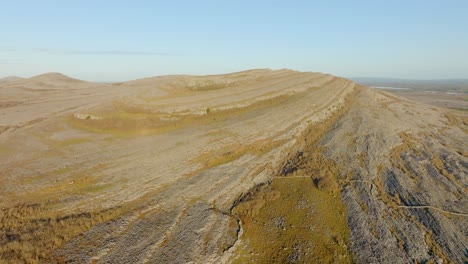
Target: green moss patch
[292, 221]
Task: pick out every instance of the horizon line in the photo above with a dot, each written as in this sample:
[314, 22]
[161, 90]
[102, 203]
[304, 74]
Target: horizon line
[353, 78]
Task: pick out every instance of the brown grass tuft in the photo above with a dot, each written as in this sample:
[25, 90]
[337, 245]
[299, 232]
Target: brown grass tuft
[29, 233]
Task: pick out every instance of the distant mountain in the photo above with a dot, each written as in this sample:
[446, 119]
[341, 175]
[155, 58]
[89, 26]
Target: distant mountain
[460, 85]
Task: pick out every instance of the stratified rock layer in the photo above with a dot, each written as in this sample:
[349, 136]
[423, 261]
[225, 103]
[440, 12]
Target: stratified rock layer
[152, 170]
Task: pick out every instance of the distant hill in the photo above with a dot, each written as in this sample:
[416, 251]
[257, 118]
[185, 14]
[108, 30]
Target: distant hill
[54, 77]
[10, 79]
[460, 85]
[47, 81]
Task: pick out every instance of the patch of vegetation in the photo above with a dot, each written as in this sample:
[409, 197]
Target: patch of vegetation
[83, 184]
[232, 152]
[29, 233]
[298, 217]
[131, 120]
[65, 182]
[290, 220]
[49, 175]
[457, 118]
[40, 222]
[71, 141]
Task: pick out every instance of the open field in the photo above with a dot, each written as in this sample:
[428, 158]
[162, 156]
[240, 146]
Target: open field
[259, 166]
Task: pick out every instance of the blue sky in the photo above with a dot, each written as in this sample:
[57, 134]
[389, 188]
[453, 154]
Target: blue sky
[122, 40]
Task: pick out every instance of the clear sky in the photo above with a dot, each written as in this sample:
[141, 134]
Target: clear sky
[121, 40]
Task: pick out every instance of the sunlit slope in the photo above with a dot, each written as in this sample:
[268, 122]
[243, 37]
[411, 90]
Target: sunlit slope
[154, 159]
[257, 166]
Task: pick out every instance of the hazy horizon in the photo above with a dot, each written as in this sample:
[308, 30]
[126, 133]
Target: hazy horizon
[117, 40]
[354, 78]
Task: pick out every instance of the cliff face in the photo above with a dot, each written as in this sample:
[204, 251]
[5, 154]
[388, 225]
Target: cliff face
[211, 168]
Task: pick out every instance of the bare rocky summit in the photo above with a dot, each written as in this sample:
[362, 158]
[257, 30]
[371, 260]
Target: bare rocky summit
[258, 166]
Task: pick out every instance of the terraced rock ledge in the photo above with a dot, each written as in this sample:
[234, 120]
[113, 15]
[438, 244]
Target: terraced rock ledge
[259, 166]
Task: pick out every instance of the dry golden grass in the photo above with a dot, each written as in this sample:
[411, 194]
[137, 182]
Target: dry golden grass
[292, 220]
[297, 219]
[129, 120]
[73, 182]
[29, 233]
[71, 141]
[37, 224]
[235, 151]
[49, 175]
